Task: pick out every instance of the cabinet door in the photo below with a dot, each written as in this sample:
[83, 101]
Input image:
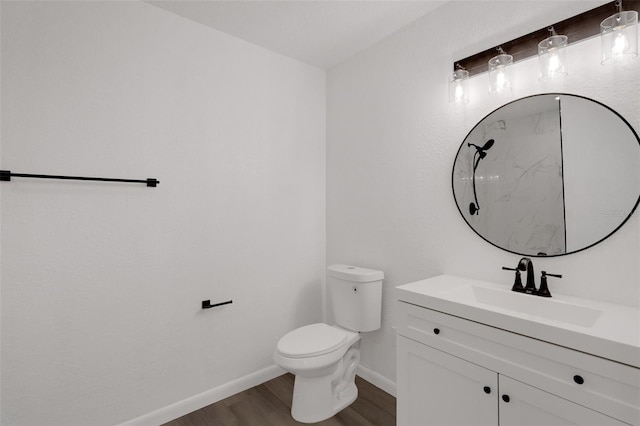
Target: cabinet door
[525, 405]
[435, 388]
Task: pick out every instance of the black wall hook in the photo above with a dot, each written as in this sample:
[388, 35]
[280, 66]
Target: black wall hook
[206, 304]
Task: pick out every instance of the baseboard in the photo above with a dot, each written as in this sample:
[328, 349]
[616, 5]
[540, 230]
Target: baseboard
[377, 380]
[203, 399]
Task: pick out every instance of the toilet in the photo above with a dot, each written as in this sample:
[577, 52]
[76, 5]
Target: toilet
[324, 357]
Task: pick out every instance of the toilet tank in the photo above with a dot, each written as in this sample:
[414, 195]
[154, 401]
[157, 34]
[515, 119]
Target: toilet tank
[356, 297]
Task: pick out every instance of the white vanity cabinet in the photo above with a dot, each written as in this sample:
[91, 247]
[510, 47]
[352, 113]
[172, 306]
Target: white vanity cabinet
[435, 388]
[454, 371]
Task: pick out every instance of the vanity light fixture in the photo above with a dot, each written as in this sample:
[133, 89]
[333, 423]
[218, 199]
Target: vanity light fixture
[500, 72]
[458, 92]
[552, 56]
[619, 36]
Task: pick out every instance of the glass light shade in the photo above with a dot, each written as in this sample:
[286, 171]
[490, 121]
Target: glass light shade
[500, 73]
[619, 37]
[458, 91]
[552, 57]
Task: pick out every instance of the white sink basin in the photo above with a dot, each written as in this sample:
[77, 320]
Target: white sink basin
[542, 307]
[604, 329]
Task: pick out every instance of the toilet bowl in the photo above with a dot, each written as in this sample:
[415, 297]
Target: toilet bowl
[324, 357]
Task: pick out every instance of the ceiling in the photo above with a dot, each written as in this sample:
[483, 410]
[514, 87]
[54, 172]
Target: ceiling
[320, 33]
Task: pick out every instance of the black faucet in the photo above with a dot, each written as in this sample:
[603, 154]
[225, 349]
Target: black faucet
[526, 264]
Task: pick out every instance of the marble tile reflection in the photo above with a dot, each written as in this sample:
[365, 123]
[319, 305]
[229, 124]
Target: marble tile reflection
[519, 183]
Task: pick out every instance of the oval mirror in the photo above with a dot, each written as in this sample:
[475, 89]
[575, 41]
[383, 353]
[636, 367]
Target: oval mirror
[548, 175]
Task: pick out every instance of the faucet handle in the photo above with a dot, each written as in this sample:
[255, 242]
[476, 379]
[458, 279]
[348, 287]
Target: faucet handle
[543, 291]
[517, 284]
[551, 275]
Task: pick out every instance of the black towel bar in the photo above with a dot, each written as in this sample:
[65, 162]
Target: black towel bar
[6, 175]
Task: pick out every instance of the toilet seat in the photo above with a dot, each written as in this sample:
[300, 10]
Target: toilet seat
[311, 340]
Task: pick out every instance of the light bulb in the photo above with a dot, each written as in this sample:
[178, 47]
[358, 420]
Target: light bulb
[552, 56]
[620, 45]
[619, 37]
[554, 64]
[459, 93]
[500, 81]
[499, 73]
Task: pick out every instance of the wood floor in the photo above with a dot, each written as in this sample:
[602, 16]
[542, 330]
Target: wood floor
[270, 404]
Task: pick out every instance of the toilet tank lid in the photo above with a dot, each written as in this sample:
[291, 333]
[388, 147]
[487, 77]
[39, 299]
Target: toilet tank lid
[355, 273]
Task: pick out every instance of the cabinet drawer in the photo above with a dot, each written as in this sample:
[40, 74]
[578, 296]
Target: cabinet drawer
[525, 405]
[600, 384]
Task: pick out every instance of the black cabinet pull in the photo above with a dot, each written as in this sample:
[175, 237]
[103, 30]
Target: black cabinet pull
[487, 389]
[578, 379]
[436, 330]
[506, 398]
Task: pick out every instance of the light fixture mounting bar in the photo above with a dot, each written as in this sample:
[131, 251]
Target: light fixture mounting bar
[576, 28]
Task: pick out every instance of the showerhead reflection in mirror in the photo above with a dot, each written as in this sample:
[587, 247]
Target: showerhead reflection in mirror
[480, 153]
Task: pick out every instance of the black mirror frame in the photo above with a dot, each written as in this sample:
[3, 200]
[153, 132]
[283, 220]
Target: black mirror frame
[509, 103]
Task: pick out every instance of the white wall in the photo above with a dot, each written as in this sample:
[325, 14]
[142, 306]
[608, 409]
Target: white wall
[392, 137]
[102, 283]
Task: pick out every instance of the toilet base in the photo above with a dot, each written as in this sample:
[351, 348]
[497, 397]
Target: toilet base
[318, 398]
[324, 405]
